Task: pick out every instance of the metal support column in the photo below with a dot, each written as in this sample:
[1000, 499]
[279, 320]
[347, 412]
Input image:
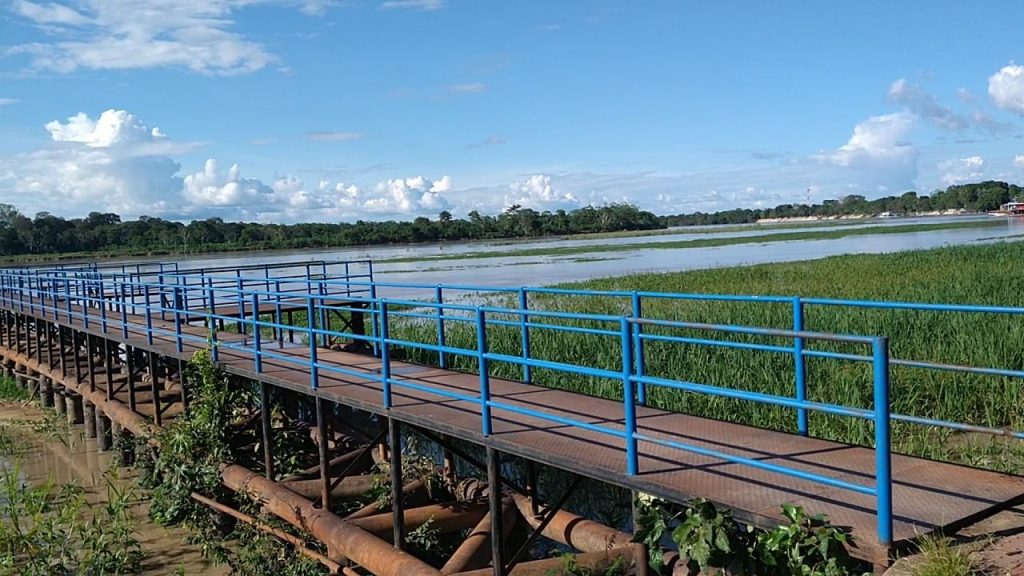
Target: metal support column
[395, 456]
[265, 409]
[325, 471]
[494, 498]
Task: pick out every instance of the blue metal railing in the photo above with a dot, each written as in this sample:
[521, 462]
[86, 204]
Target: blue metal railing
[162, 304]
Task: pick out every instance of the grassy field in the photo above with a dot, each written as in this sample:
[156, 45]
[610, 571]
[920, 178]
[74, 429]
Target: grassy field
[987, 274]
[707, 242]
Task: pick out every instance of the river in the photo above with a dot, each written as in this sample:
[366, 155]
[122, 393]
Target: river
[418, 263]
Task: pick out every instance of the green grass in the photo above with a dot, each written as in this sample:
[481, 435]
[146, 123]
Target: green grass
[939, 557]
[988, 274]
[9, 390]
[706, 242]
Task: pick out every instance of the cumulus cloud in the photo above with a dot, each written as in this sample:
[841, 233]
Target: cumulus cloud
[538, 193]
[960, 170]
[1018, 161]
[115, 162]
[877, 158]
[213, 188]
[199, 35]
[1006, 88]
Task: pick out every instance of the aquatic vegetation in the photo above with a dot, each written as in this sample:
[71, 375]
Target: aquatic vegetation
[987, 274]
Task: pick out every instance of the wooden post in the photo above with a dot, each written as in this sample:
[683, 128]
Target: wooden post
[74, 408]
[89, 418]
[102, 431]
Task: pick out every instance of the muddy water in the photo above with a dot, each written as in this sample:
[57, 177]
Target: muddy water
[69, 457]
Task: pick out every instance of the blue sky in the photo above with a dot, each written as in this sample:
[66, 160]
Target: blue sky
[293, 110]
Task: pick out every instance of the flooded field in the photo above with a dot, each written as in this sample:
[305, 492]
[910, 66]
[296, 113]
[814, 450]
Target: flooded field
[481, 263]
[63, 457]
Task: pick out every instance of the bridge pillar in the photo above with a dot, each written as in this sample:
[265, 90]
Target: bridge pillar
[59, 393]
[45, 391]
[19, 376]
[102, 431]
[89, 418]
[74, 408]
[494, 496]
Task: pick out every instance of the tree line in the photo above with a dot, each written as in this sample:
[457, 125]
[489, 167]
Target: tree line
[979, 197]
[107, 234]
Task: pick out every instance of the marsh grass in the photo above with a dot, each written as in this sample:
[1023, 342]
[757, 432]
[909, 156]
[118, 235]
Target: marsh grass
[986, 274]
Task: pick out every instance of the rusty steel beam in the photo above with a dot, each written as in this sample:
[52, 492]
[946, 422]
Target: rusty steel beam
[575, 531]
[343, 539]
[474, 552]
[446, 518]
[349, 488]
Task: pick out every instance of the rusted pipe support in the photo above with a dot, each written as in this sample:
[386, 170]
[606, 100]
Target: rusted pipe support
[475, 551]
[414, 494]
[361, 455]
[575, 531]
[295, 541]
[349, 488]
[342, 538]
[446, 518]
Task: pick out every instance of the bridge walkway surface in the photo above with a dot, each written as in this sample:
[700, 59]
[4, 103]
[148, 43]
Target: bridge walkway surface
[927, 495]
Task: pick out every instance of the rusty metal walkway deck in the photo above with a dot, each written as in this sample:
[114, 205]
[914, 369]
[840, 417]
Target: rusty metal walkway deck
[927, 495]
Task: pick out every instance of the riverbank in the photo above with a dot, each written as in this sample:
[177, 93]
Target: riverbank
[701, 242]
[855, 217]
[49, 452]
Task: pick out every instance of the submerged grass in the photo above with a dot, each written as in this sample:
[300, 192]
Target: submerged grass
[988, 274]
[706, 242]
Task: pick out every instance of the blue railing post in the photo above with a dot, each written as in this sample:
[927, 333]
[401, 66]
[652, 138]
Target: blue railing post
[149, 318]
[103, 307]
[374, 318]
[442, 359]
[485, 379]
[324, 319]
[800, 364]
[629, 399]
[161, 296]
[85, 304]
[883, 447]
[67, 297]
[525, 335]
[241, 305]
[178, 301]
[278, 319]
[211, 325]
[257, 349]
[314, 372]
[124, 313]
[385, 355]
[638, 349]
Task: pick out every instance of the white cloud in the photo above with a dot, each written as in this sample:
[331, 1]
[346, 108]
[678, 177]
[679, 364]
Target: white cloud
[416, 195]
[468, 88]
[334, 136]
[111, 128]
[960, 170]
[133, 34]
[49, 13]
[877, 139]
[210, 188]
[8, 101]
[1018, 161]
[537, 192]
[1006, 88]
[413, 4]
[926, 105]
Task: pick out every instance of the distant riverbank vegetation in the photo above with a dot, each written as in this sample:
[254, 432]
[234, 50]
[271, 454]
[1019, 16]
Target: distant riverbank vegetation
[105, 234]
[980, 197]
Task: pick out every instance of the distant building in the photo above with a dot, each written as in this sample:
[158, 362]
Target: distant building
[1012, 208]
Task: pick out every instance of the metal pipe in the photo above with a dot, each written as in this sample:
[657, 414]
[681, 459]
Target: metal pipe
[342, 538]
